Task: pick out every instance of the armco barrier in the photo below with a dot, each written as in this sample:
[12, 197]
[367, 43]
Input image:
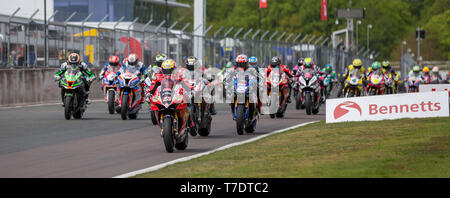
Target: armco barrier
[34, 86]
[410, 105]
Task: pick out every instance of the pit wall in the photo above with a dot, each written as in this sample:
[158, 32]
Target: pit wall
[35, 86]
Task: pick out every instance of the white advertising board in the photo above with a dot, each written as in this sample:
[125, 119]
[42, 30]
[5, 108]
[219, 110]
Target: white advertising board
[410, 105]
[435, 87]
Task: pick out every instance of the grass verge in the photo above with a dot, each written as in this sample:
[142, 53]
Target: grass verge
[391, 148]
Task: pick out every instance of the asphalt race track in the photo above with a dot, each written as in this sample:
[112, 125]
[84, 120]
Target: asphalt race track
[38, 142]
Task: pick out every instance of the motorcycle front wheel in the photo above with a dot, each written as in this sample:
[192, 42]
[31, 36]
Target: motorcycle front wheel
[124, 108]
[111, 100]
[67, 107]
[168, 134]
[240, 118]
[308, 104]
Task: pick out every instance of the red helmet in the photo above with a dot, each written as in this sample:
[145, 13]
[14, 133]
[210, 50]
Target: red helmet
[241, 61]
[114, 60]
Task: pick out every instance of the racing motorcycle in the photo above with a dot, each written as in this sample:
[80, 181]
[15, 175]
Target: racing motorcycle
[376, 84]
[110, 83]
[309, 91]
[278, 79]
[353, 85]
[130, 94]
[413, 84]
[327, 85]
[199, 109]
[389, 84]
[168, 103]
[74, 93]
[245, 110]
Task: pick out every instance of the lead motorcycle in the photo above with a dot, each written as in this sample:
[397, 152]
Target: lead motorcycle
[74, 93]
[130, 94]
[309, 86]
[245, 110]
[169, 105]
[376, 84]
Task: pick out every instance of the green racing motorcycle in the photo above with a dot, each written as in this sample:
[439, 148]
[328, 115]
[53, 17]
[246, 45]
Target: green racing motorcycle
[72, 84]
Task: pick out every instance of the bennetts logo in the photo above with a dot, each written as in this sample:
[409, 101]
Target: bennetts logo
[339, 111]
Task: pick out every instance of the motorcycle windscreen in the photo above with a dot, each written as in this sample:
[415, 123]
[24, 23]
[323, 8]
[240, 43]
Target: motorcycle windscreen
[166, 91]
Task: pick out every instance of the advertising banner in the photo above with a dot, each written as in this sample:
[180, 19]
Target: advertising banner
[411, 105]
[435, 87]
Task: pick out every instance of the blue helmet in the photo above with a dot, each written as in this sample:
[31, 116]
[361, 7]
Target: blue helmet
[252, 60]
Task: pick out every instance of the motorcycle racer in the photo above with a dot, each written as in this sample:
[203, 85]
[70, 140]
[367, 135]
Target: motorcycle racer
[88, 76]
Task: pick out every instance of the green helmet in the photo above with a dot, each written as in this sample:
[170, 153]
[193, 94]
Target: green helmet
[416, 68]
[376, 65]
[228, 65]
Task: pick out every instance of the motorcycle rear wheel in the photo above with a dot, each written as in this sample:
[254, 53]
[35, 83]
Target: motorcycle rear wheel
[183, 144]
[154, 120]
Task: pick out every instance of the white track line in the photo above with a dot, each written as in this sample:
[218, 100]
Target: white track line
[39, 105]
[159, 166]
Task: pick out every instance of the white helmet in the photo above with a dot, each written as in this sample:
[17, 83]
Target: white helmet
[132, 59]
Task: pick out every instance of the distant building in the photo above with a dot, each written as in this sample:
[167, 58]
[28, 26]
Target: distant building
[130, 9]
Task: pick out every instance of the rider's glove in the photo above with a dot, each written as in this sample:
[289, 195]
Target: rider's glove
[57, 78]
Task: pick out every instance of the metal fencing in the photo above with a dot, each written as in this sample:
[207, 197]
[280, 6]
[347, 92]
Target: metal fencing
[22, 44]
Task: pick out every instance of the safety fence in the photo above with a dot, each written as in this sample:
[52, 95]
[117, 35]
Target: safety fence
[22, 44]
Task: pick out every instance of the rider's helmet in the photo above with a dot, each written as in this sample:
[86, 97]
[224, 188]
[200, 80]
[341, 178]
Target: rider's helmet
[74, 58]
[426, 70]
[357, 63]
[375, 66]
[160, 58]
[192, 63]
[308, 63]
[252, 61]
[275, 62]
[435, 70]
[168, 66]
[300, 61]
[329, 68]
[242, 61]
[386, 65]
[114, 61]
[229, 65]
[416, 69]
[132, 59]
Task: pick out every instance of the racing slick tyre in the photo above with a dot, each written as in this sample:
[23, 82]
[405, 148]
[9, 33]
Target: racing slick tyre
[124, 108]
[308, 103]
[240, 118]
[183, 144]
[67, 110]
[298, 102]
[154, 120]
[111, 100]
[168, 134]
